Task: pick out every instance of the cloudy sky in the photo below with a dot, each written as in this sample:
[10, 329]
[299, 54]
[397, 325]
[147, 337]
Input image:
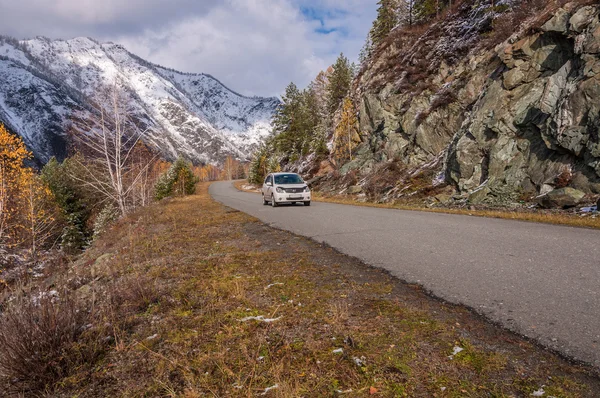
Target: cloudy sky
[255, 47]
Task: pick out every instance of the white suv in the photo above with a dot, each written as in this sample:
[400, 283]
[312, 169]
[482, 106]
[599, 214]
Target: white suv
[281, 188]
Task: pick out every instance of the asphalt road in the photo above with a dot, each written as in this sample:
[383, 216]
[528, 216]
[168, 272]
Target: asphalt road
[539, 280]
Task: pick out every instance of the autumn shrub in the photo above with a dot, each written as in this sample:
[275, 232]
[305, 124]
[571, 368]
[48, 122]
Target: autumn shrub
[44, 338]
[564, 178]
[350, 178]
[133, 293]
[179, 180]
[384, 178]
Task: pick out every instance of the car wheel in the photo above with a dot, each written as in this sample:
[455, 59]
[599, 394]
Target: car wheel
[273, 203]
[307, 203]
[264, 201]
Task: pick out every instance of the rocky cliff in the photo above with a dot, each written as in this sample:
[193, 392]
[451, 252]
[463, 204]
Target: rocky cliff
[494, 121]
[44, 83]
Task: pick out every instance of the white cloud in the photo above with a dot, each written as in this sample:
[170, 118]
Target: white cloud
[253, 46]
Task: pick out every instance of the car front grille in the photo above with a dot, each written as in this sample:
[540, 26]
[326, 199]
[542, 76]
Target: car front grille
[294, 190]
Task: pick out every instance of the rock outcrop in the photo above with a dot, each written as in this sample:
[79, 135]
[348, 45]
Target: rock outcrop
[494, 123]
[538, 114]
[561, 198]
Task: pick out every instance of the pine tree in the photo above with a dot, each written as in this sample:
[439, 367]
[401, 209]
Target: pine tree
[108, 215]
[365, 51]
[76, 208]
[387, 19]
[179, 180]
[284, 119]
[339, 83]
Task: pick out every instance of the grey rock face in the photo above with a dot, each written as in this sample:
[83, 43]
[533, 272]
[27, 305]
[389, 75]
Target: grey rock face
[558, 23]
[521, 114]
[582, 18]
[561, 198]
[354, 189]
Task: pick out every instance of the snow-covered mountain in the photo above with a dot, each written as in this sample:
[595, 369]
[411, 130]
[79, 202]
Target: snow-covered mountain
[43, 83]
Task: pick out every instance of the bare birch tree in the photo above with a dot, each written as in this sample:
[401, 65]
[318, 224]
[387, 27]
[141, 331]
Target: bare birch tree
[41, 216]
[108, 140]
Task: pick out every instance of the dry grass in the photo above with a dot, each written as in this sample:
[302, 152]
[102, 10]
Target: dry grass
[206, 301]
[45, 336]
[539, 216]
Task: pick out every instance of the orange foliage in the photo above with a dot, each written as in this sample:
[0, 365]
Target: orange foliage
[207, 173]
[12, 155]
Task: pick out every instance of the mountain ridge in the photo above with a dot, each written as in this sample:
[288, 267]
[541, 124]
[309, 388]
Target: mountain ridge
[43, 82]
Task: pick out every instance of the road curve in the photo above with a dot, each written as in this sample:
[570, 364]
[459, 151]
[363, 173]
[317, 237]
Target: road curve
[539, 280]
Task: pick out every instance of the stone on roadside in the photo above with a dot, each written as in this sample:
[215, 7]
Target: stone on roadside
[561, 198]
[479, 195]
[354, 189]
[443, 198]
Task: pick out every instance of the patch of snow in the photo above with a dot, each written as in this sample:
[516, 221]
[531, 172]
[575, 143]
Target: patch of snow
[260, 318]
[539, 393]
[52, 295]
[455, 352]
[273, 284]
[360, 362]
[269, 389]
[153, 337]
[338, 351]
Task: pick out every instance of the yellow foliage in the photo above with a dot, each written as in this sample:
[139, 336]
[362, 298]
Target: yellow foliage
[39, 218]
[12, 155]
[28, 213]
[346, 136]
[207, 173]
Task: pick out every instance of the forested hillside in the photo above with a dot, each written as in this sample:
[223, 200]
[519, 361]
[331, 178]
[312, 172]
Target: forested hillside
[466, 101]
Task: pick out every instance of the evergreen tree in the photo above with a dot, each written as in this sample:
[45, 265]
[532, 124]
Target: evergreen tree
[108, 215]
[387, 19]
[295, 121]
[179, 180]
[72, 201]
[284, 116]
[339, 83]
[365, 51]
[426, 9]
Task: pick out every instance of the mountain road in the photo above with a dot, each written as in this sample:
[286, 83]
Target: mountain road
[538, 280]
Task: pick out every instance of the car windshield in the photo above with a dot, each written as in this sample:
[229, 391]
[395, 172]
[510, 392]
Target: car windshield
[284, 179]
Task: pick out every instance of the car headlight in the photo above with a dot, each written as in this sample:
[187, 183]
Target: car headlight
[306, 189]
[280, 190]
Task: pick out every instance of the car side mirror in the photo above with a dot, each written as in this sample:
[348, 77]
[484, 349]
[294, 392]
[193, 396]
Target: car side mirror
[269, 184]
